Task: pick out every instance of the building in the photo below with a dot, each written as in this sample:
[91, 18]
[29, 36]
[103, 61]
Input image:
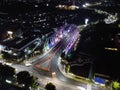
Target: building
[20, 48]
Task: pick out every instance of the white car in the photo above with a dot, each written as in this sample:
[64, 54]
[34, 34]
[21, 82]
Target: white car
[9, 64]
[28, 64]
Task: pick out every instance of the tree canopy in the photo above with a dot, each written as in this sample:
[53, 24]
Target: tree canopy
[50, 86]
[6, 71]
[23, 77]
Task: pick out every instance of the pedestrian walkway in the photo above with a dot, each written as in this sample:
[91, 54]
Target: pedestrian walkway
[36, 57]
[89, 85]
[71, 75]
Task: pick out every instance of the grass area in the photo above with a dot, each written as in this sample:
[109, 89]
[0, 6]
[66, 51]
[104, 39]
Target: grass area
[1, 56]
[80, 79]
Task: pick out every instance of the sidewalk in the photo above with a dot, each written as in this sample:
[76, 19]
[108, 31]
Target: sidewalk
[36, 57]
[71, 75]
[90, 85]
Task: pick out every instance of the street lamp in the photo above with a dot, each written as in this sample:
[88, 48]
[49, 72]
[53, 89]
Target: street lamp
[1, 48]
[10, 33]
[53, 74]
[86, 21]
[8, 81]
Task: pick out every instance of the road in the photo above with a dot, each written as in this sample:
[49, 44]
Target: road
[50, 61]
[47, 65]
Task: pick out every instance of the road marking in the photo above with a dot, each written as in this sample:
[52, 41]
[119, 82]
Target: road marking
[49, 60]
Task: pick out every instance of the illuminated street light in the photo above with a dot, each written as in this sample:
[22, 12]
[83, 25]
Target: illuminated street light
[86, 5]
[53, 74]
[8, 81]
[1, 48]
[10, 33]
[86, 21]
[36, 6]
[47, 4]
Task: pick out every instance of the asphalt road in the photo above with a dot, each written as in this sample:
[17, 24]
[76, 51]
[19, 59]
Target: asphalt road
[44, 66]
[50, 61]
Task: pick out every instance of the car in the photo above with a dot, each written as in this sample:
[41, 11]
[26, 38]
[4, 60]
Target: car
[28, 64]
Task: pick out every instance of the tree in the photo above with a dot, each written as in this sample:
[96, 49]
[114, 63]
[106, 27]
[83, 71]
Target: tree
[63, 56]
[6, 55]
[24, 77]
[34, 83]
[6, 72]
[116, 85]
[50, 86]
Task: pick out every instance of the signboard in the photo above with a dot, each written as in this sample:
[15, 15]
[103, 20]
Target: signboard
[100, 80]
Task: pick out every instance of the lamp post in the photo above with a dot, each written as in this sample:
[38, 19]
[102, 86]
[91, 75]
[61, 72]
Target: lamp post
[86, 21]
[10, 33]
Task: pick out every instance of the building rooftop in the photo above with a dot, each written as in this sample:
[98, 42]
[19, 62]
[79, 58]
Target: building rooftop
[19, 43]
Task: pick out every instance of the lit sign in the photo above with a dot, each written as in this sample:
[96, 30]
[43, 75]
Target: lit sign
[100, 80]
